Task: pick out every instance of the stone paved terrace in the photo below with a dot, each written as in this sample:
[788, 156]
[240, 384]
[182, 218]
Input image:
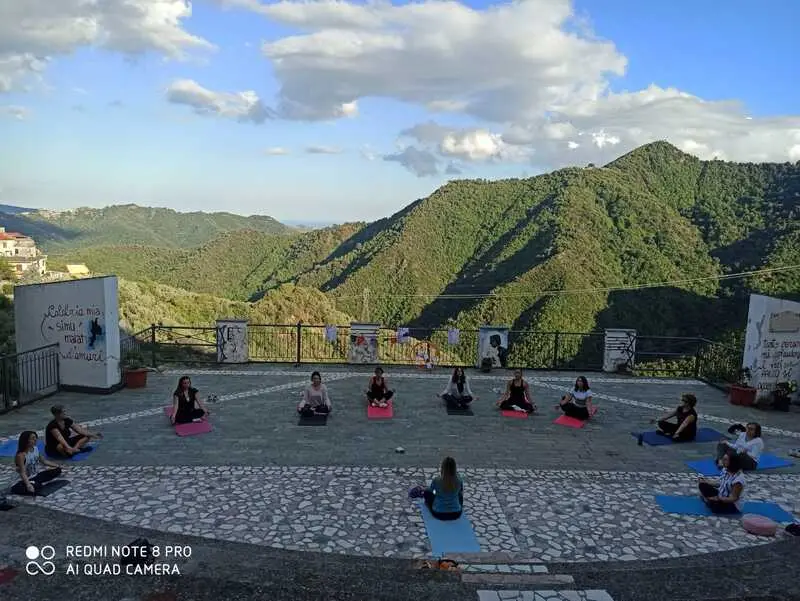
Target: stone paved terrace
[536, 491]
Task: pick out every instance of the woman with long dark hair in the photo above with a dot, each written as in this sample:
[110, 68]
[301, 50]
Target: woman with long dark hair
[747, 447]
[724, 496]
[28, 463]
[186, 404]
[517, 396]
[315, 398]
[577, 402]
[685, 430]
[445, 496]
[378, 393]
[457, 393]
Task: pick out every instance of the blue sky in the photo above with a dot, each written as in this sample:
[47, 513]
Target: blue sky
[107, 120]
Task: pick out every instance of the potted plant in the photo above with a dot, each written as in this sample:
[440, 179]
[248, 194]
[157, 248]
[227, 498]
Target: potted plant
[134, 369]
[742, 393]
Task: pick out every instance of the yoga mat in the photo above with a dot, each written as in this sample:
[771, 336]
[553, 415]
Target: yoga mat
[455, 536]
[696, 506]
[380, 412]
[9, 448]
[512, 413]
[192, 428]
[88, 450]
[656, 440]
[573, 422]
[708, 467]
[51, 487]
[466, 411]
[314, 420]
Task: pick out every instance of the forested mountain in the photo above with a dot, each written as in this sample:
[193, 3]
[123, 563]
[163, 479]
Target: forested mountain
[478, 252]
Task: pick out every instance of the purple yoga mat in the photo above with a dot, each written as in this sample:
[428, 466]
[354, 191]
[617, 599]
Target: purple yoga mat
[192, 428]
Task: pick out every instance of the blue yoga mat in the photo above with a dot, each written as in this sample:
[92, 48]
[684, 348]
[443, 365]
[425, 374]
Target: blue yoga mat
[88, 450]
[9, 448]
[454, 536]
[708, 467]
[696, 506]
[656, 440]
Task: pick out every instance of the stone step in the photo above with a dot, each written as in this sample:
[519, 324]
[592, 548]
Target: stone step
[527, 580]
[504, 568]
[495, 557]
[544, 595]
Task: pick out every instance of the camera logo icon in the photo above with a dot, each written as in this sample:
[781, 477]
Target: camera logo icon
[34, 567]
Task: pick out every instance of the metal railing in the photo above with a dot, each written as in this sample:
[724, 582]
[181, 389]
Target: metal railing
[29, 376]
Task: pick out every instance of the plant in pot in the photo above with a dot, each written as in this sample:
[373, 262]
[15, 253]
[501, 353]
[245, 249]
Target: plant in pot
[742, 393]
[134, 369]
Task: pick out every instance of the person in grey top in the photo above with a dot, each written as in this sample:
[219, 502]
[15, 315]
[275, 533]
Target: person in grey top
[315, 398]
[577, 402]
[457, 393]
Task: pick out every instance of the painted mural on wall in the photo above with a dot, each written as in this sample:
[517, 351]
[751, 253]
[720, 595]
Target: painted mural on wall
[79, 330]
[772, 343]
[232, 341]
[363, 343]
[493, 345]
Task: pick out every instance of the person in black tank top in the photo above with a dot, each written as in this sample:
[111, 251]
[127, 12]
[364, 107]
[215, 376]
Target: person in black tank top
[186, 404]
[378, 393]
[517, 396]
[685, 430]
[63, 438]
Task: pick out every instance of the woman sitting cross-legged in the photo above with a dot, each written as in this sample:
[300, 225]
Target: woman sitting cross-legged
[517, 396]
[577, 403]
[63, 438]
[378, 393]
[747, 447]
[457, 393]
[28, 463]
[445, 496]
[315, 398]
[725, 496]
[186, 404]
[685, 430]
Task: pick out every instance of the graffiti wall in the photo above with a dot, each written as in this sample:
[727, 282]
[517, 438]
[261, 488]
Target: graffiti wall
[232, 341]
[363, 343]
[772, 343]
[493, 345]
[82, 317]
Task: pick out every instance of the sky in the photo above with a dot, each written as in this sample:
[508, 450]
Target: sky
[332, 111]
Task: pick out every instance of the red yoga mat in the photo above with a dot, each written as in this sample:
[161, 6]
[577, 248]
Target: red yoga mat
[571, 422]
[512, 413]
[381, 412]
[192, 428]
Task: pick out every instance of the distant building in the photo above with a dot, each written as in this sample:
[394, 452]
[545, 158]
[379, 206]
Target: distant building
[21, 253]
[78, 271]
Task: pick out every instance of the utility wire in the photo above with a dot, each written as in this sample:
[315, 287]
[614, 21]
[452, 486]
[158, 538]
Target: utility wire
[730, 276]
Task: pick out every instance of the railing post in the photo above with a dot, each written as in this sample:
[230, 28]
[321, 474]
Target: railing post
[153, 359]
[697, 358]
[299, 342]
[555, 349]
[58, 367]
[6, 388]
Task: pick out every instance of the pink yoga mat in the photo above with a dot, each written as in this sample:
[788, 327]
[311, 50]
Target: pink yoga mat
[380, 412]
[512, 413]
[571, 422]
[190, 429]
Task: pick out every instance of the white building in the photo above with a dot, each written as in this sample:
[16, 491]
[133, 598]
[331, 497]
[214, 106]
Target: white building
[21, 253]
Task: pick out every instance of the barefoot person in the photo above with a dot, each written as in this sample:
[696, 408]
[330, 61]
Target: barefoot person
[457, 393]
[724, 497]
[378, 393]
[28, 463]
[186, 404]
[748, 447]
[577, 402]
[517, 396]
[685, 427]
[445, 496]
[63, 438]
[315, 398]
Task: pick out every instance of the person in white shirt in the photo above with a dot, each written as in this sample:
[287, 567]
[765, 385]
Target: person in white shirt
[457, 394]
[748, 447]
[577, 402]
[724, 497]
[315, 398]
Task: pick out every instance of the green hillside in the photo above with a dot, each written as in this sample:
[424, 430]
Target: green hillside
[131, 225]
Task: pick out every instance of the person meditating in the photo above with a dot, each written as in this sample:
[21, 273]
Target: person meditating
[445, 496]
[517, 396]
[186, 404]
[28, 464]
[725, 495]
[315, 398]
[457, 393]
[747, 447]
[64, 438]
[378, 393]
[577, 402]
[685, 429]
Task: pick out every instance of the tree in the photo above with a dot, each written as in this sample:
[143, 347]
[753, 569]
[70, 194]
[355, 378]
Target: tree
[6, 272]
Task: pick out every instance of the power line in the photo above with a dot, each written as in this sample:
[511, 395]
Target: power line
[730, 276]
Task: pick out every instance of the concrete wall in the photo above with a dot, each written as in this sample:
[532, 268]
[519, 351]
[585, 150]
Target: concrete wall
[772, 343]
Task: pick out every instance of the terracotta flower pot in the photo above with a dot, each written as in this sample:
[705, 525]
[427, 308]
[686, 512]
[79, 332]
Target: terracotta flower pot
[743, 395]
[135, 378]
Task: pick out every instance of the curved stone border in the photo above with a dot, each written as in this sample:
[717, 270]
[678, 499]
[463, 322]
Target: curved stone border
[546, 515]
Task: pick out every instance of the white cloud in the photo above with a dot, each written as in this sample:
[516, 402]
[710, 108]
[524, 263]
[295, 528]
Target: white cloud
[323, 150]
[276, 151]
[240, 106]
[33, 31]
[20, 113]
[421, 162]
